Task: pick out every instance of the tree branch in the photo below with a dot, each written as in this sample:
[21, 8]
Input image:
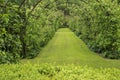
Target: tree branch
[48, 4]
[84, 1]
[21, 4]
[34, 7]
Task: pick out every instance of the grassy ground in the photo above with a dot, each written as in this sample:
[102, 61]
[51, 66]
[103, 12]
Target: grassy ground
[62, 55]
[66, 48]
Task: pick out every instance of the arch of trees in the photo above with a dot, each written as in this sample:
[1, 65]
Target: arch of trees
[97, 22]
[27, 25]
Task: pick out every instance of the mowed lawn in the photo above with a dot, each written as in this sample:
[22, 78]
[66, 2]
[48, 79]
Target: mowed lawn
[67, 48]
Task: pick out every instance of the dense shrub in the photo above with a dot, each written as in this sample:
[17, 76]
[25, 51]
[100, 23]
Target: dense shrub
[48, 72]
[98, 25]
[8, 58]
[24, 29]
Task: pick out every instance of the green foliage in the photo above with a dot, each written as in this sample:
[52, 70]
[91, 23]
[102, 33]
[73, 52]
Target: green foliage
[24, 29]
[48, 72]
[60, 50]
[26, 26]
[40, 31]
[8, 58]
[98, 25]
[10, 45]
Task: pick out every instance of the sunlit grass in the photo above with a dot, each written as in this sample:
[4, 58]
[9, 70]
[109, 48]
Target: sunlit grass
[66, 48]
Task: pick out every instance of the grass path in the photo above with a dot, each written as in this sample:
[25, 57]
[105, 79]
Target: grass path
[67, 48]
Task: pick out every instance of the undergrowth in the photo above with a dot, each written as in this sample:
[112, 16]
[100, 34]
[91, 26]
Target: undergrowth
[51, 72]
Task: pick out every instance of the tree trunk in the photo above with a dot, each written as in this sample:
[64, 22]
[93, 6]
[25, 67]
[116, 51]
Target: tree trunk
[23, 35]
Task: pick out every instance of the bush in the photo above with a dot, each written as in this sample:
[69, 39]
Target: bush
[8, 58]
[99, 25]
[29, 71]
[23, 30]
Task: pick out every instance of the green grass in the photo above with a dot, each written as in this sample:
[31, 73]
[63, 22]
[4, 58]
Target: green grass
[67, 48]
[64, 58]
